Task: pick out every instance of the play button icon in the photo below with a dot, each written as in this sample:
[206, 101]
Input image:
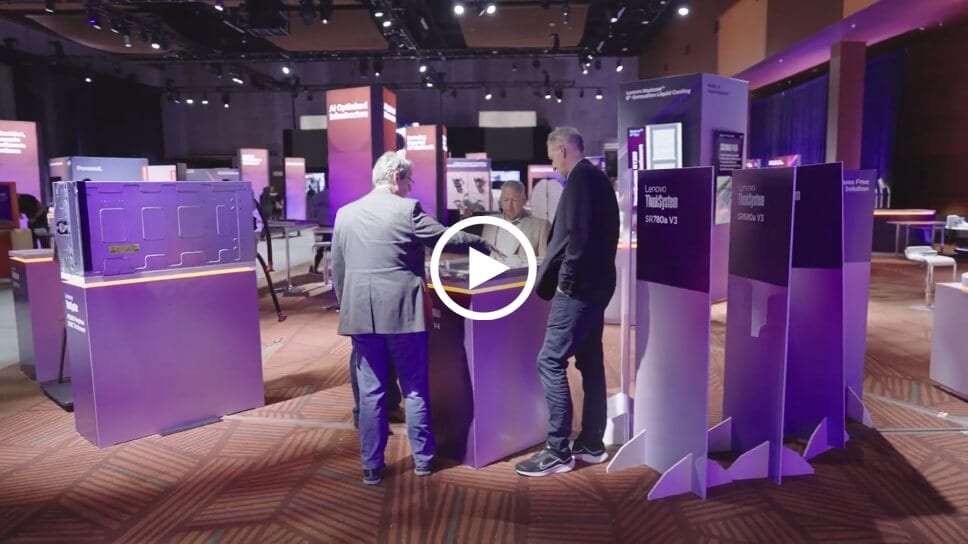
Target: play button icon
[483, 268]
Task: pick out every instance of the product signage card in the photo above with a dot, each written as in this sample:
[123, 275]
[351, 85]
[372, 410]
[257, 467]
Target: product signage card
[469, 185]
[760, 251]
[815, 365]
[254, 168]
[636, 148]
[784, 161]
[19, 159]
[728, 152]
[859, 189]
[425, 150]
[295, 172]
[673, 304]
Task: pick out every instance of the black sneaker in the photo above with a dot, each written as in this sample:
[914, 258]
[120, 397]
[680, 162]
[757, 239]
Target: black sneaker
[544, 463]
[589, 454]
[372, 476]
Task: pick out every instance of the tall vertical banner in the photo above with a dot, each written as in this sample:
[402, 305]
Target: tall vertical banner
[672, 347]
[815, 401]
[295, 173]
[361, 126]
[428, 155]
[544, 191]
[469, 185]
[19, 158]
[254, 168]
[760, 257]
[859, 192]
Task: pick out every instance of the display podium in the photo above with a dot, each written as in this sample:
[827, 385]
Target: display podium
[486, 398]
[39, 312]
[161, 304]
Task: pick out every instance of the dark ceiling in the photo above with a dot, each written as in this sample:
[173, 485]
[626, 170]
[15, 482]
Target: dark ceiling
[174, 31]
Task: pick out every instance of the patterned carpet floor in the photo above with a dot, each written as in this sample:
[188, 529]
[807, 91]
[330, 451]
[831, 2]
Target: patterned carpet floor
[289, 472]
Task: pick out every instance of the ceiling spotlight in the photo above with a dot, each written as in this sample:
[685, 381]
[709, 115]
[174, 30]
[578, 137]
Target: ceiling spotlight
[126, 38]
[325, 11]
[204, 99]
[377, 67]
[565, 12]
[599, 95]
[88, 79]
[618, 66]
[286, 69]
[189, 101]
[487, 95]
[114, 27]
[613, 20]
[49, 6]
[423, 68]
[683, 10]
[459, 8]
[490, 8]
[559, 95]
[155, 44]
[584, 69]
[378, 14]
[547, 94]
[237, 80]
[219, 6]
[387, 23]
[225, 100]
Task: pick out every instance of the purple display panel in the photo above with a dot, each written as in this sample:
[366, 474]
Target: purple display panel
[469, 185]
[19, 160]
[39, 311]
[859, 189]
[192, 359]
[636, 148]
[254, 168]
[427, 153]
[295, 188]
[356, 136]
[761, 242]
[105, 168]
[815, 363]
[672, 345]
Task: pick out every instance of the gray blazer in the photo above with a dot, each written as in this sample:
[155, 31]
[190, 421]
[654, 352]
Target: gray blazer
[378, 263]
[537, 231]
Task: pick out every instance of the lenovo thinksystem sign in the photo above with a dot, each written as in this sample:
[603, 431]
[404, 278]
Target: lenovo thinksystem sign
[351, 110]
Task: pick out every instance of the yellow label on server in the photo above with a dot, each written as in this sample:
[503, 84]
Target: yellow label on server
[130, 248]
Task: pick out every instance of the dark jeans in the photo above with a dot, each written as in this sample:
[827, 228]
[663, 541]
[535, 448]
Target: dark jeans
[574, 329]
[377, 354]
[394, 398]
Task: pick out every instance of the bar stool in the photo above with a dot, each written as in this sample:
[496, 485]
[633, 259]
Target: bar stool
[326, 262]
[931, 259]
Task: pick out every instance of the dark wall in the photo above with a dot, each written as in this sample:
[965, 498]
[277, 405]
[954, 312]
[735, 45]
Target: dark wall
[932, 143]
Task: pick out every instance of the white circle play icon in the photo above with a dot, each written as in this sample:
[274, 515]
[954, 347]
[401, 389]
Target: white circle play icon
[482, 268]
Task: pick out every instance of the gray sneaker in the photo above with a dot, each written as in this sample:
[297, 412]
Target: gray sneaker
[545, 463]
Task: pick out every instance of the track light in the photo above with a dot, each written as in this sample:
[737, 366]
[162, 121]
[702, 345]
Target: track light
[115, 28]
[190, 101]
[88, 79]
[547, 94]
[219, 6]
[155, 44]
[225, 100]
[487, 7]
[377, 67]
[387, 23]
[378, 14]
[565, 12]
[559, 96]
[423, 68]
[683, 10]
[584, 69]
[126, 38]
[237, 80]
[618, 66]
[49, 6]
[487, 95]
[459, 8]
[204, 99]
[599, 95]
[286, 69]
[325, 11]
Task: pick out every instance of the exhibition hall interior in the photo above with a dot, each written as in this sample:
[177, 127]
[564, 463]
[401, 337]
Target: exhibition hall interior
[484, 271]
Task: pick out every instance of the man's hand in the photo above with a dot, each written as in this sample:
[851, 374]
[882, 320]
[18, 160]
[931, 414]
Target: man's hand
[495, 252]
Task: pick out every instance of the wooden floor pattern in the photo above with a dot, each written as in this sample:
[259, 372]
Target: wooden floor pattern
[289, 472]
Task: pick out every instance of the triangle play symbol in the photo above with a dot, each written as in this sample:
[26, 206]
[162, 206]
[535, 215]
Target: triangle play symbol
[483, 268]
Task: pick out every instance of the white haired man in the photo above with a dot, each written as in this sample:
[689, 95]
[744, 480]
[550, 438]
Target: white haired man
[378, 278]
[513, 199]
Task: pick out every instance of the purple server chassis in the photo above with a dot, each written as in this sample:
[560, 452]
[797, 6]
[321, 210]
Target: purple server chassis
[161, 302]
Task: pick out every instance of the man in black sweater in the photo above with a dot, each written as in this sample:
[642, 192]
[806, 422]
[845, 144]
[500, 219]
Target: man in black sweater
[578, 276]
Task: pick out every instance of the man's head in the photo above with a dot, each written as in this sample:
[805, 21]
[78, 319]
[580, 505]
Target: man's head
[394, 171]
[565, 148]
[512, 199]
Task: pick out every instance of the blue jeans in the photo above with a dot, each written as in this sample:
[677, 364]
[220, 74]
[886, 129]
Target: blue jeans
[408, 353]
[574, 329]
[393, 390]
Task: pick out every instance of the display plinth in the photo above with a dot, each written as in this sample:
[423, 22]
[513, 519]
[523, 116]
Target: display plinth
[39, 312]
[485, 395]
[949, 345]
[150, 355]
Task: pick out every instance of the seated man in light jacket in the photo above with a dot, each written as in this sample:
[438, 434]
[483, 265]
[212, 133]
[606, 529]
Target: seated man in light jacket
[535, 229]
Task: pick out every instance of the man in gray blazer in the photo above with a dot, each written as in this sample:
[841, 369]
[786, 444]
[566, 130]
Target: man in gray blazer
[513, 198]
[378, 278]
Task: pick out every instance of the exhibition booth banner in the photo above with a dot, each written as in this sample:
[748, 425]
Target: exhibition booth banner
[469, 185]
[19, 159]
[97, 169]
[254, 168]
[211, 174]
[672, 350]
[859, 195]
[544, 191]
[815, 401]
[295, 172]
[427, 152]
[760, 252]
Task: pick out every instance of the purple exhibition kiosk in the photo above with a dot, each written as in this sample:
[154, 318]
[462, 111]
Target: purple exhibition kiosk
[39, 312]
[161, 304]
